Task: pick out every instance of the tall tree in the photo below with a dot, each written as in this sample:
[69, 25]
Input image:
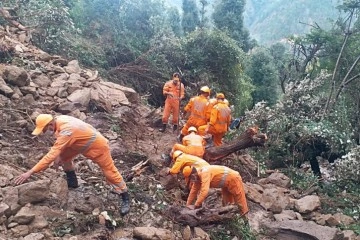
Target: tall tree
[228, 16]
[190, 18]
[175, 21]
[264, 74]
[204, 20]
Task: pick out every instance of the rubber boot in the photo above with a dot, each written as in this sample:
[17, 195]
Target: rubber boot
[162, 129]
[125, 207]
[71, 179]
[175, 127]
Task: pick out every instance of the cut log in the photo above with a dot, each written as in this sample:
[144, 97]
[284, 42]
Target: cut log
[250, 138]
[201, 216]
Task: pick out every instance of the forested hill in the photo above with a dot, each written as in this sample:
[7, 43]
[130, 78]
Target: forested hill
[271, 20]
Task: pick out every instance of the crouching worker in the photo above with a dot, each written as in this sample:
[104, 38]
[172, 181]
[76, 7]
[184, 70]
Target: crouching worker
[193, 144]
[182, 160]
[74, 137]
[200, 180]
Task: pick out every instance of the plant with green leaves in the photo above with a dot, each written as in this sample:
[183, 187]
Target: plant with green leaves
[213, 58]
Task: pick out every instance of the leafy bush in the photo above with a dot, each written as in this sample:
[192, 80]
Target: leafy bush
[295, 126]
[348, 168]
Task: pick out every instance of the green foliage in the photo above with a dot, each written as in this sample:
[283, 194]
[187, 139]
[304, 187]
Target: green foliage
[214, 58]
[235, 227]
[348, 168]
[190, 18]
[228, 16]
[50, 20]
[295, 129]
[264, 76]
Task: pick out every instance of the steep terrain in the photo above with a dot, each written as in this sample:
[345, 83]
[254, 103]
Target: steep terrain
[33, 82]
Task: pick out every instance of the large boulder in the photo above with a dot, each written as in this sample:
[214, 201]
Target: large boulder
[81, 96]
[24, 216]
[277, 178]
[307, 204]
[41, 80]
[108, 93]
[73, 67]
[16, 76]
[33, 192]
[4, 88]
[301, 230]
[152, 233]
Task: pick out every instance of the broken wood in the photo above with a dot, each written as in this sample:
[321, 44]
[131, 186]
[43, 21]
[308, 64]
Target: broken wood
[201, 216]
[137, 170]
[250, 138]
[4, 12]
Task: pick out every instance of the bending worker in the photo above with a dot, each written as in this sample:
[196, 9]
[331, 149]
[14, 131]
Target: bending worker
[193, 144]
[202, 179]
[220, 119]
[173, 90]
[197, 107]
[182, 160]
[74, 137]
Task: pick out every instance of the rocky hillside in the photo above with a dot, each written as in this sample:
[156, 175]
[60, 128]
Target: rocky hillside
[33, 82]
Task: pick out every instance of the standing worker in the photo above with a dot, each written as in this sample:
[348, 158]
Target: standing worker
[74, 137]
[192, 143]
[220, 119]
[197, 107]
[202, 179]
[173, 91]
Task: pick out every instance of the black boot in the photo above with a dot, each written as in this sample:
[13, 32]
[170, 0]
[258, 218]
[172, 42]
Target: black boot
[71, 179]
[163, 128]
[125, 207]
[175, 127]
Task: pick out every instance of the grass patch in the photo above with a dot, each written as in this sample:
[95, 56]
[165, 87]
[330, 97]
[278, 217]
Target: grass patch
[235, 227]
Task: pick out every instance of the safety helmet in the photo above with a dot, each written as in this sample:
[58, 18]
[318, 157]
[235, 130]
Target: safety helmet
[187, 171]
[176, 154]
[220, 96]
[41, 121]
[205, 89]
[192, 129]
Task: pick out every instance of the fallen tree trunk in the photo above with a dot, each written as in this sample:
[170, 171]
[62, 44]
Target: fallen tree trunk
[201, 216]
[250, 138]
[4, 12]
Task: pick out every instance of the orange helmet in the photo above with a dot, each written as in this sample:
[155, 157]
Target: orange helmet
[192, 129]
[205, 89]
[220, 96]
[187, 171]
[176, 154]
[41, 121]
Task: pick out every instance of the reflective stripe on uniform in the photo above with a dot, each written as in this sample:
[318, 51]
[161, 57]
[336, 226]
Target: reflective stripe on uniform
[223, 179]
[221, 122]
[87, 145]
[195, 145]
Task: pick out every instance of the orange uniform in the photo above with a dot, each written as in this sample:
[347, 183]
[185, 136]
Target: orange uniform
[219, 123]
[197, 107]
[192, 144]
[184, 160]
[74, 137]
[215, 176]
[174, 93]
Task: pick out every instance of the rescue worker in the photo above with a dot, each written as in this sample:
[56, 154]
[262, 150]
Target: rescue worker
[220, 120]
[74, 137]
[174, 91]
[202, 179]
[182, 160]
[196, 107]
[192, 143]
